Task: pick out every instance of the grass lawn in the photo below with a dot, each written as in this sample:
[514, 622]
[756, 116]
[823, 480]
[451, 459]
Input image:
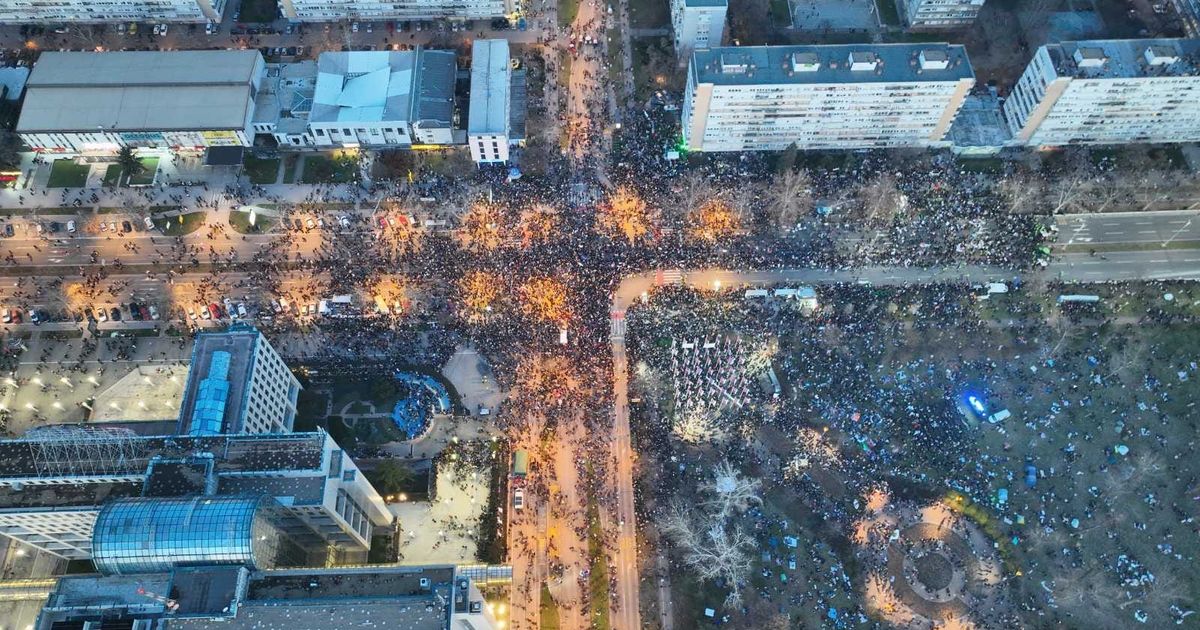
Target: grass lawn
[781, 13]
[888, 14]
[567, 10]
[146, 176]
[549, 610]
[258, 11]
[289, 168]
[319, 169]
[112, 175]
[649, 14]
[68, 174]
[173, 226]
[261, 171]
[240, 222]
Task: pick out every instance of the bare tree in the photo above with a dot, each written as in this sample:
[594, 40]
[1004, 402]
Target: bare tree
[711, 548]
[881, 200]
[789, 198]
[730, 493]
[1022, 193]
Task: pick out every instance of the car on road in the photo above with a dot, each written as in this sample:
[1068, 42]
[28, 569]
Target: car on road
[114, 314]
[153, 311]
[71, 226]
[214, 310]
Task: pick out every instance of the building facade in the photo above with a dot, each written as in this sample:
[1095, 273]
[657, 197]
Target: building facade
[488, 116]
[941, 14]
[96, 103]
[1108, 92]
[104, 11]
[856, 96]
[240, 598]
[362, 99]
[54, 482]
[697, 24]
[237, 383]
[329, 10]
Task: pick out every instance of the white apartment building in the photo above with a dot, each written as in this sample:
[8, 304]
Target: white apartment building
[1108, 92]
[327, 10]
[54, 482]
[237, 383]
[857, 96]
[101, 11]
[940, 14]
[698, 24]
[94, 103]
[362, 99]
[488, 116]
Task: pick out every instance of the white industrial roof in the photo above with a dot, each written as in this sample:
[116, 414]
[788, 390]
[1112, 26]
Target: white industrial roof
[490, 84]
[140, 91]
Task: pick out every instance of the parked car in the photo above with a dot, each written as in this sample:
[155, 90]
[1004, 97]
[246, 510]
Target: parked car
[148, 222]
[210, 29]
[7, 317]
[153, 311]
[241, 309]
[214, 310]
[115, 314]
[164, 30]
[16, 316]
[35, 316]
[71, 226]
[345, 221]
[126, 226]
[309, 223]
[354, 27]
[101, 315]
[157, 29]
[8, 230]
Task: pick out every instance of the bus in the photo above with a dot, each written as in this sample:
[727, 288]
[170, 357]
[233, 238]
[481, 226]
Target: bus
[520, 465]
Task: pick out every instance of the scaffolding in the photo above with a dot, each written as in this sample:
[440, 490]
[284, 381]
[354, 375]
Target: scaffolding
[81, 451]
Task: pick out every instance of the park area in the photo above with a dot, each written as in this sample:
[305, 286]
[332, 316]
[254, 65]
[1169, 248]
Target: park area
[923, 457]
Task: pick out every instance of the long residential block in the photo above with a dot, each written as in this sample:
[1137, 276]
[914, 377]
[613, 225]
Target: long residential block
[1108, 92]
[326, 10]
[101, 11]
[824, 97]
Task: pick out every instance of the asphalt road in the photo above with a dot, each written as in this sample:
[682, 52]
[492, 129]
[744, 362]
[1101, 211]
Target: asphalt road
[1128, 227]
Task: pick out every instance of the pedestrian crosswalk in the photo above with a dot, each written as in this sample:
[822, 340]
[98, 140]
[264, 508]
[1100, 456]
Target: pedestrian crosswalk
[617, 326]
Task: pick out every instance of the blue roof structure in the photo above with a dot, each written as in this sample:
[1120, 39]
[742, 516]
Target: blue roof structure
[140, 535]
[208, 414]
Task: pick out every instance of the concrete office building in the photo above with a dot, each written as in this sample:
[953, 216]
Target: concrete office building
[55, 481]
[96, 103]
[698, 24]
[856, 96]
[328, 10]
[940, 14]
[363, 99]
[496, 117]
[1108, 92]
[104, 11]
[238, 598]
[237, 383]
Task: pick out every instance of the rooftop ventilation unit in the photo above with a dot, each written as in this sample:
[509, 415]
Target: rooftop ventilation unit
[934, 60]
[805, 62]
[734, 63]
[1160, 55]
[1088, 57]
[863, 61]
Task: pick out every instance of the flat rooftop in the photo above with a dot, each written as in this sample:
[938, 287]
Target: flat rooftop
[239, 345]
[84, 451]
[877, 63]
[490, 87]
[1126, 58]
[140, 91]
